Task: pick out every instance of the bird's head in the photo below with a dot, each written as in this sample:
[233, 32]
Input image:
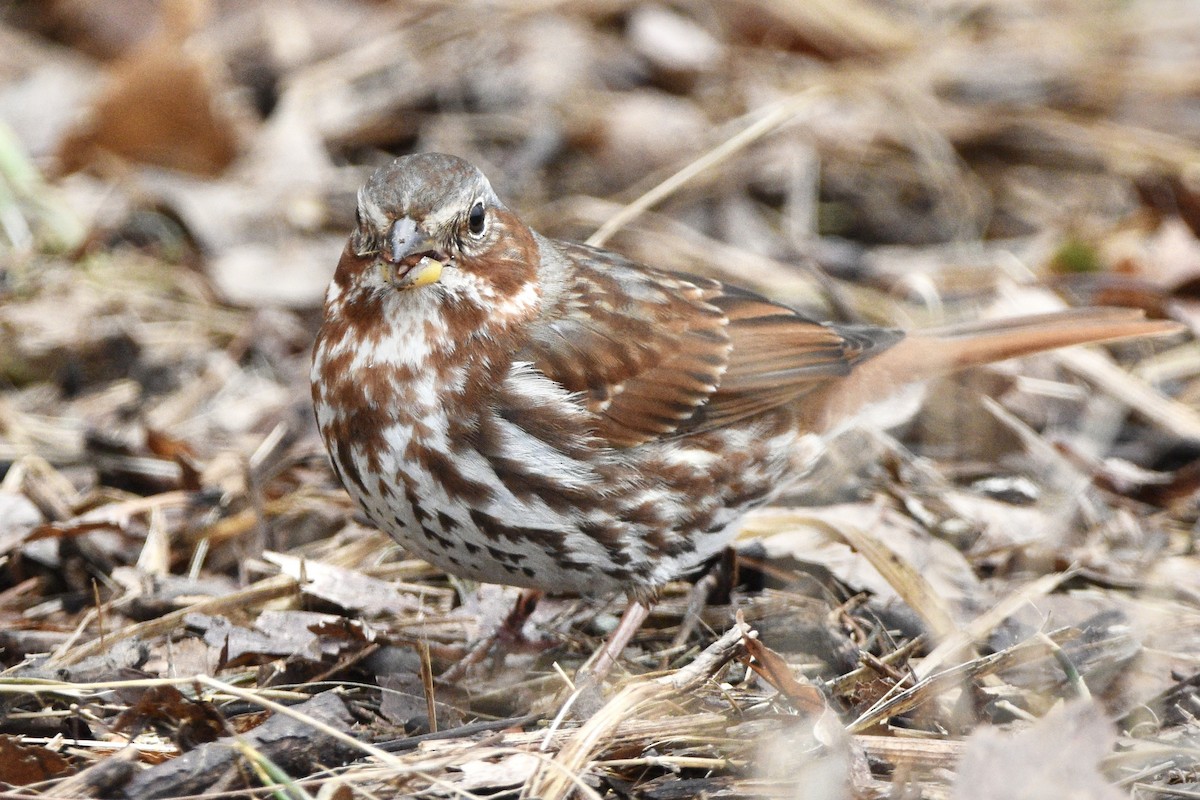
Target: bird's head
[431, 224]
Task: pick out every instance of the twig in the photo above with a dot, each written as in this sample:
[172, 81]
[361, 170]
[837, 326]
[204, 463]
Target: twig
[772, 117]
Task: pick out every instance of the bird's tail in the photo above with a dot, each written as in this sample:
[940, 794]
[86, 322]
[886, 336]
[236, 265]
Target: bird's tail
[937, 351]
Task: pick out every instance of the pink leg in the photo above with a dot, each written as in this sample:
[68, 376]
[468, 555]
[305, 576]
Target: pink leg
[512, 631]
[508, 637]
[598, 666]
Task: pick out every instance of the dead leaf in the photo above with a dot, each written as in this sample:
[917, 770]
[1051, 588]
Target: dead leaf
[18, 517]
[23, 764]
[507, 770]
[187, 722]
[805, 698]
[343, 587]
[162, 105]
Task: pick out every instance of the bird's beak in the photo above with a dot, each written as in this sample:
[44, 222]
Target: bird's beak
[411, 258]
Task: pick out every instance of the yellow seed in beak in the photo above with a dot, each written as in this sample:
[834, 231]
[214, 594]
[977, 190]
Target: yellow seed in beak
[426, 271]
[423, 273]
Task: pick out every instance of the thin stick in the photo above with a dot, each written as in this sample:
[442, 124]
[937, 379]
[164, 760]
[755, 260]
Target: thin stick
[427, 683]
[316, 724]
[771, 119]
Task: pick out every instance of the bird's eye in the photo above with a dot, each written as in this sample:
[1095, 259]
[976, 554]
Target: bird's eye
[477, 219]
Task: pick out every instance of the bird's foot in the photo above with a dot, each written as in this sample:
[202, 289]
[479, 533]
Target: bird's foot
[508, 637]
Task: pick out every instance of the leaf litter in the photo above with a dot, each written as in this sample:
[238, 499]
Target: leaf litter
[996, 578]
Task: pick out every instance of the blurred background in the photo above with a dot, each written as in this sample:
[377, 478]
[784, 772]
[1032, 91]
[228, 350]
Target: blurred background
[232, 135]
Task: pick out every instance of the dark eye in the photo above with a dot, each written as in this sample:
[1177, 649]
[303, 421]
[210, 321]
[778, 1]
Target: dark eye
[476, 219]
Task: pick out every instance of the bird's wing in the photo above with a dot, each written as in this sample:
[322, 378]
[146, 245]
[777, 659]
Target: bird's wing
[778, 355]
[656, 354]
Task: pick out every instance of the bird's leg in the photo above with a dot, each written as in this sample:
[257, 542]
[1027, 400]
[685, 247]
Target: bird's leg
[597, 667]
[697, 600]
[509, 636]
[511, 633]
[714, 587]
[721, 577]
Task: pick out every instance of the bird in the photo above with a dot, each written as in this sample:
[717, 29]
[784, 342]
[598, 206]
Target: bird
[545, 414]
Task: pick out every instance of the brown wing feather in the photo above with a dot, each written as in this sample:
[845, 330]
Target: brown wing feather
[778, 355]
[645, 348]
[658, 354]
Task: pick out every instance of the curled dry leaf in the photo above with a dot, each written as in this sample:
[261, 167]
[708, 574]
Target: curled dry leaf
[771, 666]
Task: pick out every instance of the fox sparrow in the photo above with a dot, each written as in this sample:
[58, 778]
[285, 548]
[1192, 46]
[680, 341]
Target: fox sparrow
[520, 410]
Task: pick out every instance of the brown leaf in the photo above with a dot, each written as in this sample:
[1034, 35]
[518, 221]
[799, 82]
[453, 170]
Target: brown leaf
[187, 722]
[160, 107]
[23, 764]
[775, 671]
[293, 634]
